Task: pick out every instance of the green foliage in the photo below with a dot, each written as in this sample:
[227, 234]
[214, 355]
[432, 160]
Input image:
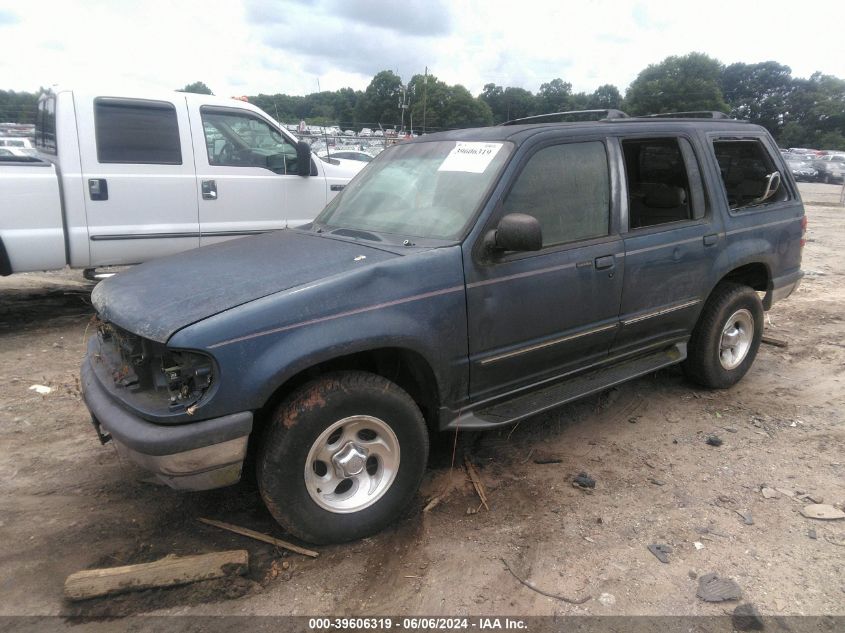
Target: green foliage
[677, 84]
[18, 107]
[197, 87]
[798, 112]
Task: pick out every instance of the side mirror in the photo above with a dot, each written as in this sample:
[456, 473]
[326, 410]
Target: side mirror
[516, 232]
[772, 185]
[303, 159]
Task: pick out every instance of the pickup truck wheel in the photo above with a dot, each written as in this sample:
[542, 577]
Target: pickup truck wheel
[342, 457]
[725, 340]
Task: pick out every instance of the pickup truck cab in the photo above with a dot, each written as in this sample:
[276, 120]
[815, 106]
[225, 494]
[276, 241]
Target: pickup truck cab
[467, 279]
[129, 178]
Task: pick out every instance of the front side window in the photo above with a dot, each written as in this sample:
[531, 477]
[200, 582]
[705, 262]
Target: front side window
[242, 139]
[137, 131]
[567, 188]
[746, 168]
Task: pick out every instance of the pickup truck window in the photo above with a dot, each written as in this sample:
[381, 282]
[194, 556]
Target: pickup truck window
[45, 124]
[423, 189]
[241, 139]
[567, 188]
[137, 131]
[745, 166]
[659, 183]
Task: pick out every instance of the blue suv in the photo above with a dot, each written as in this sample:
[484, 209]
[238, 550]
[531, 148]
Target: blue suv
[467, 279]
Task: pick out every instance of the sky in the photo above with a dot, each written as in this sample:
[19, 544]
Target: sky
[246, 47]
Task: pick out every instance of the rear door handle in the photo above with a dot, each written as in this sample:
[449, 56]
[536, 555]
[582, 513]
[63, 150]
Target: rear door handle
[604, 262]
[98, 189]
[711, 239]
[209, 190]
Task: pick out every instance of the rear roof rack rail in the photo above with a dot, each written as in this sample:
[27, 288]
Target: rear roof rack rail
[694, 114]
[574, 115]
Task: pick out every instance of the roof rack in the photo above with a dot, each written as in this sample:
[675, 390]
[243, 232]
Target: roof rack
[608, 113]
[695, 114]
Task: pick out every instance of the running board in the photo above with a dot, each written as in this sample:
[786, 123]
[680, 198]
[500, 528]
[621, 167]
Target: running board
[538, 401]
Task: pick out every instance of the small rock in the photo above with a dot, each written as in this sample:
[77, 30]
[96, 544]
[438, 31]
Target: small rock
[711, 588]
[746, 617]
[698, 545]
[691, 573]
[588, 539]
[812, 534]
[607, 599]
[769, 493]
[285, 565]
[714, 440]
[41, 389]
[656, 482]
[730, 429]
[584, 481]
[471, 510]
[822, 511]
[746, 517]
[812, 498]
[660, 551]
[785, 491]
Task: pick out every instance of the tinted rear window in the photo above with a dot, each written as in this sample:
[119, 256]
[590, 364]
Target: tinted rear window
[136, 131]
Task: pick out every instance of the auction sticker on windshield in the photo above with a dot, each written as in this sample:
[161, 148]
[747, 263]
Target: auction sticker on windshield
[471, 157]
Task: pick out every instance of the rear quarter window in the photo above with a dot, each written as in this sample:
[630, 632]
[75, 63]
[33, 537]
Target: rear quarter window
[745, 166]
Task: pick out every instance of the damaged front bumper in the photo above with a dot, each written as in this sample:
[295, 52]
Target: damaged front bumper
[191, 456]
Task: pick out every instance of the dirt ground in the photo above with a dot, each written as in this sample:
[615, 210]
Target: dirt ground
[67, 503]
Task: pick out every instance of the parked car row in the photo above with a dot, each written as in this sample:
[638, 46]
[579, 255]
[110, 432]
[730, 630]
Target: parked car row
[811, 167]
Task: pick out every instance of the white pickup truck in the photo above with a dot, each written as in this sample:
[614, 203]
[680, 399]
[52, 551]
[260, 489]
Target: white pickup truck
[124, 179]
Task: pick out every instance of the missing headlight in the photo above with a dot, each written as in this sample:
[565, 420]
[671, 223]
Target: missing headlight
[187, 376]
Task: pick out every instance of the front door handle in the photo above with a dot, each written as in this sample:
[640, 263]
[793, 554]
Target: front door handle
[710, 240]
[209, 190]
[604, 262]
[98, 189]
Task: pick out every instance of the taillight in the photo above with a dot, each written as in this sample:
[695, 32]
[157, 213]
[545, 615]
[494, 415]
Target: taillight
[803, 230]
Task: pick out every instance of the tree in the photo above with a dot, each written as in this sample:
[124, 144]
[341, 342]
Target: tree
[677, 84]
[553, 96]
[446, 107]
[380, 102]
[758, 92]
[18, 107]
[605, 97]
[197, 87]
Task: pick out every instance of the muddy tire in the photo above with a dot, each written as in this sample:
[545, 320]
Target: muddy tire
[726, 338]
[342, 457]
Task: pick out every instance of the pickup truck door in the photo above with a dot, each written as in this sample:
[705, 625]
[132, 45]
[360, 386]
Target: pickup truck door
[537, 315]
[138, 178]
[246, 175]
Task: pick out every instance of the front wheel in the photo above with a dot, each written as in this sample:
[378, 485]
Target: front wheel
[726, 338]
[342, 457]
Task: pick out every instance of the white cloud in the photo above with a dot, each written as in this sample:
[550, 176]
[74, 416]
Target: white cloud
[252, 46]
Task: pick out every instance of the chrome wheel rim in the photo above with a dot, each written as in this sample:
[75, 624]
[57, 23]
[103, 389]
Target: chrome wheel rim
[736, 339]
[352, 464]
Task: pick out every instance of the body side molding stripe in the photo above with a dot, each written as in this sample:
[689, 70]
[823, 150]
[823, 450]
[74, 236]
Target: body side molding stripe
[562, 339]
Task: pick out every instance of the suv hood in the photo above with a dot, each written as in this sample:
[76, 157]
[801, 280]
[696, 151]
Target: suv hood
[160, 297]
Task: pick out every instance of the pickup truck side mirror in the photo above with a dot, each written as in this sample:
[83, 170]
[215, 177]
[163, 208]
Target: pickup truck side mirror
[515, 232]
[303, 159]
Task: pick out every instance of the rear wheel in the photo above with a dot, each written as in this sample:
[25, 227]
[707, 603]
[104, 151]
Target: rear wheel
[342, 457]
[726, 338]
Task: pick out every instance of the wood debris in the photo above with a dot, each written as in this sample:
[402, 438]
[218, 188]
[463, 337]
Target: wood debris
[259, 536]
[167, 572]
[476, 483]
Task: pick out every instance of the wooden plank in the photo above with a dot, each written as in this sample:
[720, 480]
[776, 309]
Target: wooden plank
[259, 536]
[170, 570]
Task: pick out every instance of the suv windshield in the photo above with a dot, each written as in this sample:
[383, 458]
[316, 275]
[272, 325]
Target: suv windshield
[427, 190]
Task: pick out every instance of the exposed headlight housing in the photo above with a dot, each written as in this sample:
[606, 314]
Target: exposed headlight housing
[153, 376]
